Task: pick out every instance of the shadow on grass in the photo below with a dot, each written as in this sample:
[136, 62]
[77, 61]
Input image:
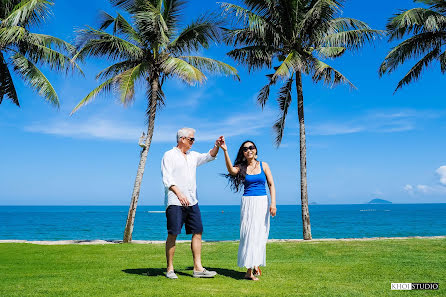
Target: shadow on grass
[152, 272]
[162, 272]
[225, 272]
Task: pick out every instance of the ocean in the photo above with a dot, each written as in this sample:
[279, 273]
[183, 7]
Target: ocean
[221, 222]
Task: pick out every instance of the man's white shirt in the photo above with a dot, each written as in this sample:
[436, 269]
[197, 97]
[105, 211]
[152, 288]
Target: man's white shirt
[180, 170]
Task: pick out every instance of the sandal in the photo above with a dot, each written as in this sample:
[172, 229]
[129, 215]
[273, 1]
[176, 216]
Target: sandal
[257, 271]
[251, 277]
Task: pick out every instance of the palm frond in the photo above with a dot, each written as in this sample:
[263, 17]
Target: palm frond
[12, 35]
[330, 76]
[293, 62]
[6, 7]
[330, 52]
[258, 24]
[135, 5]
[106, 86]
[255, 57]
[6, 83]
[129, 5]
[245, 17]
[183, 70]
[442, 59]
[198, 34]
[263, 95]
[125, 83]
[437, 5]
[211, 65]
[39, 53]
[35, 78]
[411, 48]
[345, 24]
[39, 48]
[116, 68]
[284, 100]
[320, 13]
[260, 5]
[28, 13]
[101, 44]
[151, 24]
[416, 20]
[120, 26]
[241, 36]
[51, 42]
[172, 14]
[105, 20]
[415, 72]
[351, 39]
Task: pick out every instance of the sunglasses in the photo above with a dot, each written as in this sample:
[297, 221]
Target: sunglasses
[191, 139]
[246, 148]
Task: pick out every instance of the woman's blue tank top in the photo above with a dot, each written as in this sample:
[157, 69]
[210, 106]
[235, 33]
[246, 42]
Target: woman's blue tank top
[255, 183]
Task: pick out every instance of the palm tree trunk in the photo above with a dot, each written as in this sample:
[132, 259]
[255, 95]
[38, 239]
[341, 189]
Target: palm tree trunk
[142, 162]
[303, 160]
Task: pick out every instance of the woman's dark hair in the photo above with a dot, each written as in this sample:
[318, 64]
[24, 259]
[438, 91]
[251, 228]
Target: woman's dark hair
[236, 181]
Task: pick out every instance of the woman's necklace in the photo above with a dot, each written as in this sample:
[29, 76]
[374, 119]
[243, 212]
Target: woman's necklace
[253, 168]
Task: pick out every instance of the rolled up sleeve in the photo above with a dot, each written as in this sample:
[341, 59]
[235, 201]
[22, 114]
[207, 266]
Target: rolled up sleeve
[204, 158]
[166, 172]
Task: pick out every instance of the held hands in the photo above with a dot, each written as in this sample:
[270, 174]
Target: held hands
[222, 143]
[272, 210]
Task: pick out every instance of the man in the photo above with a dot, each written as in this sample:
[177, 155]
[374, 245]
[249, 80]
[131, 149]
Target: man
[178, 169]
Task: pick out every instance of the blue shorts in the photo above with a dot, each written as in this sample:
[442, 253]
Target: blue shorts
[178, 215]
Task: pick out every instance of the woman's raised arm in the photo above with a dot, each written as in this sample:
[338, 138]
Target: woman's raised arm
[231, 169]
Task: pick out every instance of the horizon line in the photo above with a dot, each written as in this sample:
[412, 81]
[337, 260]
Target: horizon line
[222, 204]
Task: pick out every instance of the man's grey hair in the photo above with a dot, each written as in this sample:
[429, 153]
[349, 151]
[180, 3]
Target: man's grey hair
[184, 132]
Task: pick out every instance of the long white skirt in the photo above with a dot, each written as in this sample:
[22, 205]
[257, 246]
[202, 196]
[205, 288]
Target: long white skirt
[254, 230]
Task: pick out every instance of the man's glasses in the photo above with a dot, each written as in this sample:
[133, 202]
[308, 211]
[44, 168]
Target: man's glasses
[246, 148]
[191, 139]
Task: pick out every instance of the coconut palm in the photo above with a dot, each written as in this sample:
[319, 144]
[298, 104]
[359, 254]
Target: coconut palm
[427, 30]
[297, 35]
[150, 50]
[23, 51]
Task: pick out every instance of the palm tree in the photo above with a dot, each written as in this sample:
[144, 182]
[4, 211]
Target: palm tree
[151, 50]
[427, 43]
[298, 34]
[23, 50]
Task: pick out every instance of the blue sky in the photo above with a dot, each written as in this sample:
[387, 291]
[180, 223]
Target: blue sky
[361, 144]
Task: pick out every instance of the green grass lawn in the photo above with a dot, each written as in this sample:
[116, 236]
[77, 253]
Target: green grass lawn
[335, 268]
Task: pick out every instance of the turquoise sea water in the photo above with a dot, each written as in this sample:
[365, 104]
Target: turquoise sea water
[221, 222]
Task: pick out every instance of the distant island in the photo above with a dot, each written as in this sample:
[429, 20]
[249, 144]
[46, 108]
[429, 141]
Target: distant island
[313, 203]
[379, 201]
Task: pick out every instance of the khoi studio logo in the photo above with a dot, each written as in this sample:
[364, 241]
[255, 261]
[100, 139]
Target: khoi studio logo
[414, 286]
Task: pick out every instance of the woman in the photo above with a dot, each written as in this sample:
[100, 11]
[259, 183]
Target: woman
[251, 174]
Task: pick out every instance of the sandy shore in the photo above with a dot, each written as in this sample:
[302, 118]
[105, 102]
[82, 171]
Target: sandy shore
[98, 241]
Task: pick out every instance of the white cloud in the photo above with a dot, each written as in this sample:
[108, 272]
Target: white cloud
[442, 173]
[334, 129]
[424, 189]
[207, 129]
[375, 121]
[409, 189]
[92, 128]
[430, 189]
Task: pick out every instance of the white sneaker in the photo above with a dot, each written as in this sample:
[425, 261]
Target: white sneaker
[204, 273]
[171, 274]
